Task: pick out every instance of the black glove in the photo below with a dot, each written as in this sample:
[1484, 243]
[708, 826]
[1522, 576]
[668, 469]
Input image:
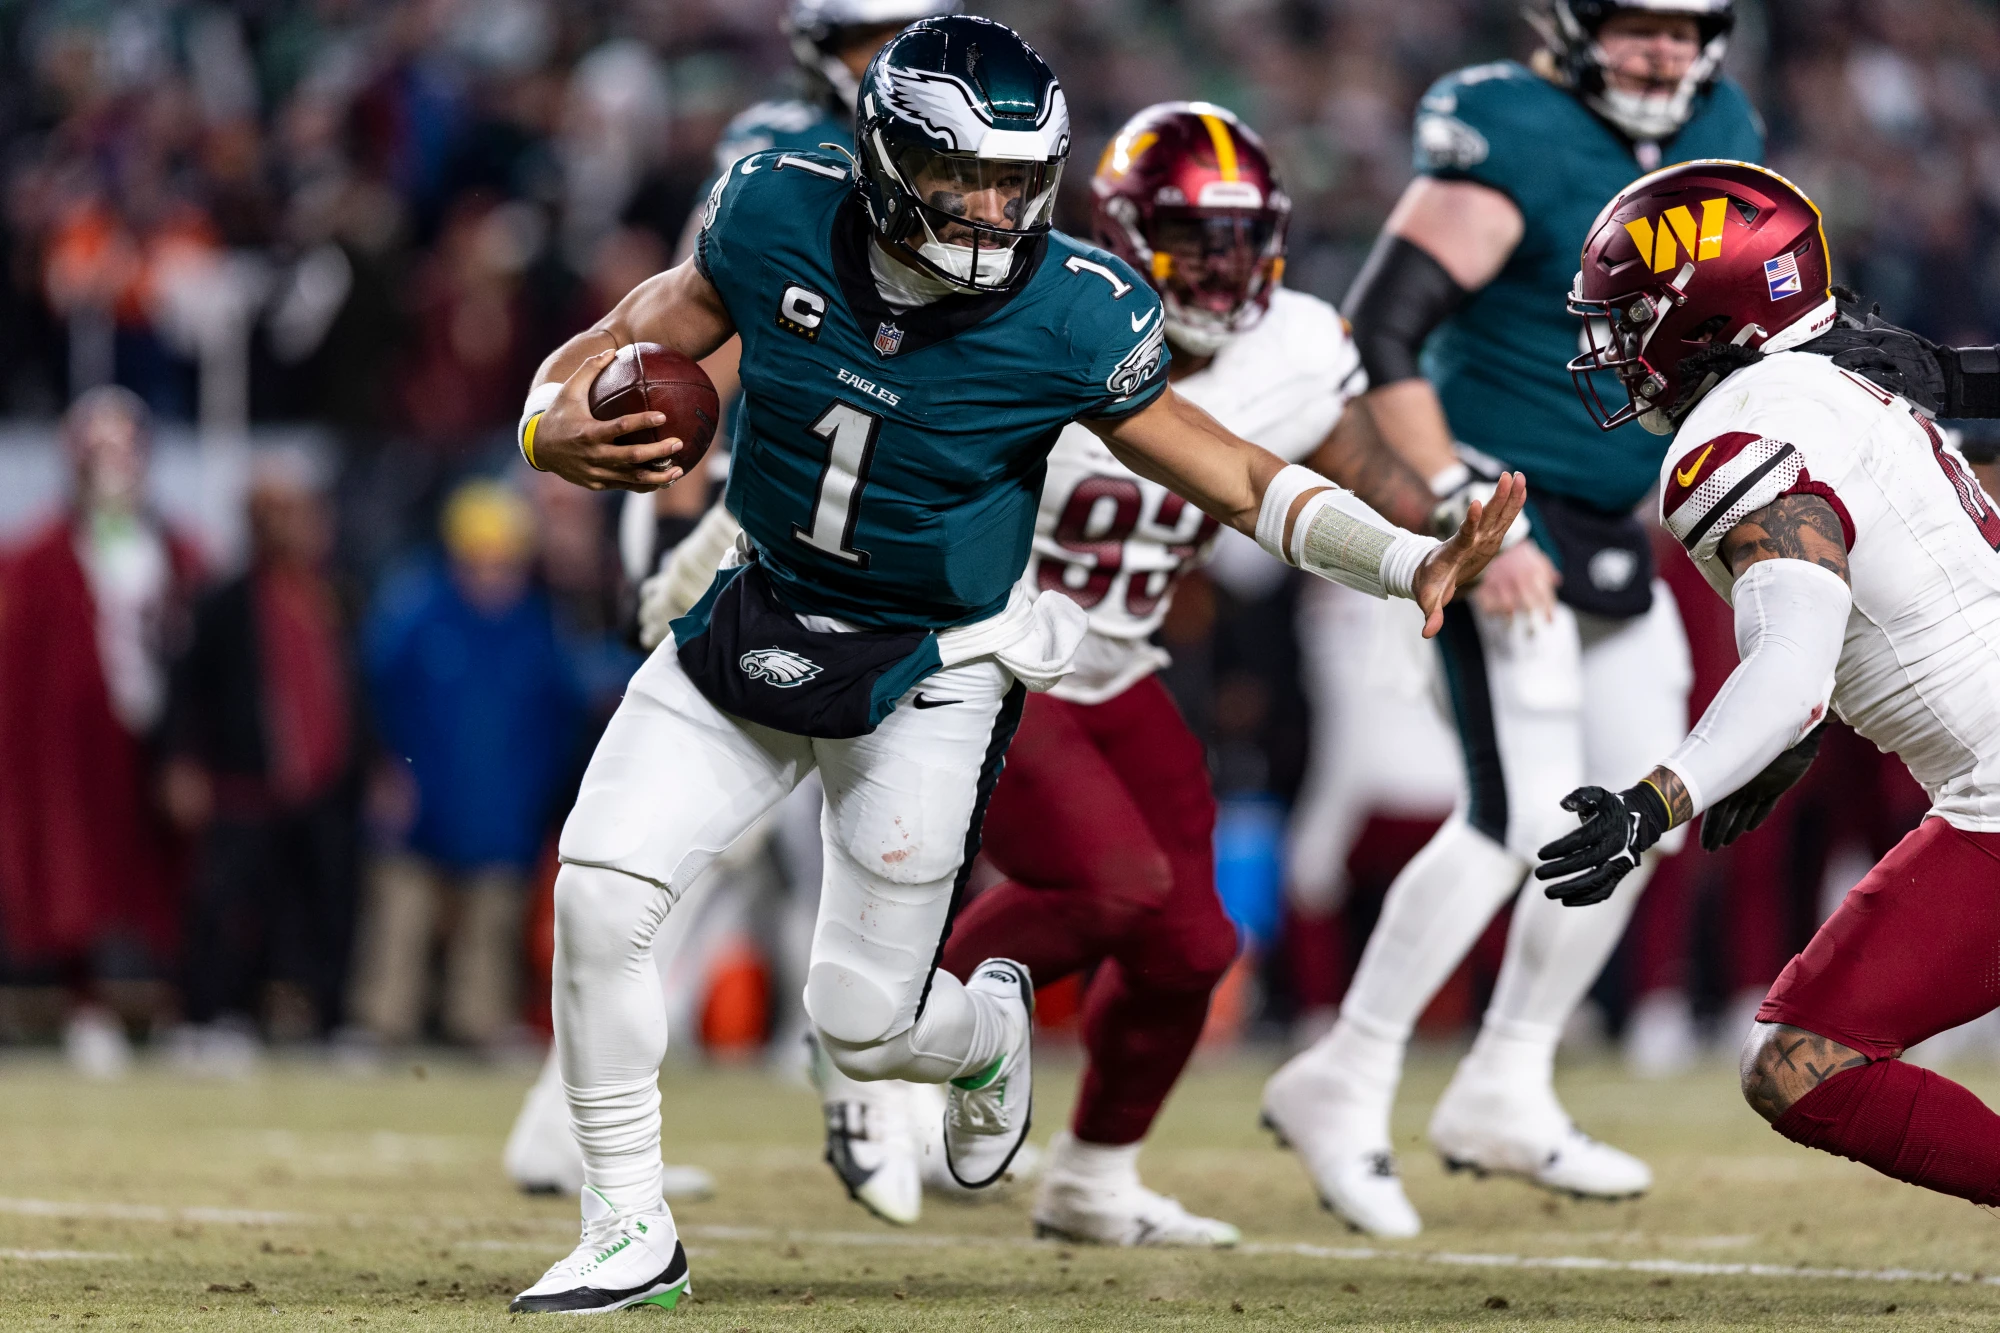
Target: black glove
[1748, 806]
[1617, 828]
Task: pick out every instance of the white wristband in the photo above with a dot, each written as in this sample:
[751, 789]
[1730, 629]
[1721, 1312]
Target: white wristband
[1279, 497]
[540, 398]
[1340, 538]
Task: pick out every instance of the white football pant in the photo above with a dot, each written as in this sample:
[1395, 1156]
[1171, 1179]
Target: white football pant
[1542, 708]
[674, 782]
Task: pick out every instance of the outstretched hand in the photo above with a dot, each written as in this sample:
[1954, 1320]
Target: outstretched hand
[577, 447]
[1460, 560]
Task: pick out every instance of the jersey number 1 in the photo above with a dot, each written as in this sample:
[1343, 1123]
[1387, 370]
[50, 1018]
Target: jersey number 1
[850, 438]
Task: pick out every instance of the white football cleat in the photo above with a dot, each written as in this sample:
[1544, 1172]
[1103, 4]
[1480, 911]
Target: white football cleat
[927, 1124]
[987, 1113]
[1341, 1134]
[870, 1142]
[1488, 1127]
[542, 1156]
[1117, 1210]
[620, 1261]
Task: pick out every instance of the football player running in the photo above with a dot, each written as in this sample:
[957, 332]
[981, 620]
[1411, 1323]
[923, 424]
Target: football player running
[1568, 665]
[1104, 819]
[832, 42]
[1810, 487]
[915, 336]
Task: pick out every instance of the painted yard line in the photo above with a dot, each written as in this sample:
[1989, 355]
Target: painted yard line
[147, 1212]
[1677, 1267]
[38, 1255]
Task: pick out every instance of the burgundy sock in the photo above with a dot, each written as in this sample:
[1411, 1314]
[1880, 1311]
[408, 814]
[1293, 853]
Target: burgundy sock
[1905, 1122]
[1139, 1040]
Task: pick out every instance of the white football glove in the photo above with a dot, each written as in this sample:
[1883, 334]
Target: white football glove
[684, 576]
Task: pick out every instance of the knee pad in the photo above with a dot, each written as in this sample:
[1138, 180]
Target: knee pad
[850, 1007]
[604, 917]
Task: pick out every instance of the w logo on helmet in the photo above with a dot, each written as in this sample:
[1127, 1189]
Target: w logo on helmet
[1656, 239]
[778, 667]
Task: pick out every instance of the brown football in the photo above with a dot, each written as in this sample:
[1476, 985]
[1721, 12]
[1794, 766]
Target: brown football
[646, 377]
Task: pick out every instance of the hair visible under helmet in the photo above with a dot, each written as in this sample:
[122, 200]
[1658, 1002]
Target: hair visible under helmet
[1569, 28]
[818, 29]
[1687, 269]
[950, 108]
[1186, 194]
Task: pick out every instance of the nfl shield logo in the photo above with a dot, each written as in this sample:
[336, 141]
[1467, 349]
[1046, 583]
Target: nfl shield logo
[888, 338]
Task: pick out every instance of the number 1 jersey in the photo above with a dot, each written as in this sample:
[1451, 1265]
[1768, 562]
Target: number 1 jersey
[1919, 672]
[1118, 543]
[888, 463]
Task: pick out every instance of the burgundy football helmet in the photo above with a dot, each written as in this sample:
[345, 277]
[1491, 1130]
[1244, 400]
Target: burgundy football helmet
[1687, 259]
[1185, 193]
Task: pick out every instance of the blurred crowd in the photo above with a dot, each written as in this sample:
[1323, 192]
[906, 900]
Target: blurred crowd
[307, 791]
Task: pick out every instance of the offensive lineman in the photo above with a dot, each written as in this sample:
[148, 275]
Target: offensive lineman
[1569, 662]
[1807, 483]
[915, 337]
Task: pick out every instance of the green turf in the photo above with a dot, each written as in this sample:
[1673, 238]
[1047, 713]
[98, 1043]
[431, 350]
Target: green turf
[306, 1198]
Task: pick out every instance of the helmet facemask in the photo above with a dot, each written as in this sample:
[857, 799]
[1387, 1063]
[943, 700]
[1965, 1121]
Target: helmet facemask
[969, 213]
[1570, 29]
[1214, 272]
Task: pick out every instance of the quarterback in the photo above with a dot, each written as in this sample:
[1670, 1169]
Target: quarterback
[1809, 486]
[915, 337]
[1570, 663]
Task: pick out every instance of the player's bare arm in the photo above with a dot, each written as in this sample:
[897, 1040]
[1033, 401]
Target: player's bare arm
[679, 309]
[1175, 443]
[1355, 455]
[1781, 1064]
[1794, 527]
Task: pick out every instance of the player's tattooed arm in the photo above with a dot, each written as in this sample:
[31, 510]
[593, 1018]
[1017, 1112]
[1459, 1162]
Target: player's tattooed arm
[1680, 804]
[1782, 1064]
[1792, 527]
[1355, 455]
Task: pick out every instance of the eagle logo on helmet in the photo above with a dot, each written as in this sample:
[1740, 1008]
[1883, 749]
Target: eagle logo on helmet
[778, 667]
[949, 111]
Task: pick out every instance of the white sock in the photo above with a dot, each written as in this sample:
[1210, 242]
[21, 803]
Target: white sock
[1436, 908]
[960, 1032]
[611, 1029]
[1554, 954]
[1103, 1165]
[1368, 1054]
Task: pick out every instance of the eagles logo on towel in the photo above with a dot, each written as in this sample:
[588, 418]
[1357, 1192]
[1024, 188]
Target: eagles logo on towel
[778, 667]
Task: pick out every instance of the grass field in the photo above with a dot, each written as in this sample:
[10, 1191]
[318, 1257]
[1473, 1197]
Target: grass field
[306, 1198]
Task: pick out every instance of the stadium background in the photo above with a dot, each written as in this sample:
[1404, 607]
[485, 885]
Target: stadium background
[346, 231]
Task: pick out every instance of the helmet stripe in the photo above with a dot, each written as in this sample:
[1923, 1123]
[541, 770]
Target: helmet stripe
[1225, 147]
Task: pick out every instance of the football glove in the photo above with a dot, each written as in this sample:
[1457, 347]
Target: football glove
[1617, 829]
[1749, 805]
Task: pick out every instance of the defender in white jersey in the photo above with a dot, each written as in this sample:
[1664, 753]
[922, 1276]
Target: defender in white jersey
[1810, 486]
[1103, 819]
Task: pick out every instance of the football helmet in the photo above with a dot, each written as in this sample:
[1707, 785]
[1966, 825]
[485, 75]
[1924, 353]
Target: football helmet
[1186, 194]
[1685, 272]
[959, 145]
[818, 29]
[1569, 28]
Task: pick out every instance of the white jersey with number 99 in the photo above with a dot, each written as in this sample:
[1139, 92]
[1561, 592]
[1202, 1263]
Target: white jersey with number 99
[1117, 543]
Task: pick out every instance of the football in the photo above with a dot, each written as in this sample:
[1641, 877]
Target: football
[646, 377]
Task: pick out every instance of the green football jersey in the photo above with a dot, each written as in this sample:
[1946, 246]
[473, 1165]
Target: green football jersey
[1498, 361]
[888, 464]
[795, 125]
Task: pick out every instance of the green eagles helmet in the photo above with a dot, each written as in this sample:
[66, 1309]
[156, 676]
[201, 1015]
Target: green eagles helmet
[960, 143]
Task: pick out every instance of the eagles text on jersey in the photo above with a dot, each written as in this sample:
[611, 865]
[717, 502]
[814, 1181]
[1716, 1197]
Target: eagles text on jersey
[889, 462]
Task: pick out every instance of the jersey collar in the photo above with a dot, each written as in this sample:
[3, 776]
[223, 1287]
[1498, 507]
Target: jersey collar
[925, 325]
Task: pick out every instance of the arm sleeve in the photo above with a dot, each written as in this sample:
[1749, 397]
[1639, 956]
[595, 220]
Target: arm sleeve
[1791, 619]
[1400, 295]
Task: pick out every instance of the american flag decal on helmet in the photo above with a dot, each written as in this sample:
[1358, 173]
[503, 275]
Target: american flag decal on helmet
[1782, 276]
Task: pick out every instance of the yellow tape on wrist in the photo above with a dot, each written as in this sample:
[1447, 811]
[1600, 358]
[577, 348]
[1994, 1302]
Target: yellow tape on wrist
[528, 441]
[1665, 804]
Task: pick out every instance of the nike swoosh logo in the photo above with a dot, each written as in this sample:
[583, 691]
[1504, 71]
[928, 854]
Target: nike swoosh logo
[747, 167]
[925, 701]
[1139, 322]
[1686, 475]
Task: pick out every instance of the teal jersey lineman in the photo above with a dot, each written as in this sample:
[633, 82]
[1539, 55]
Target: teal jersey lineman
[1498, 361]
[888, 465]
[794, 125]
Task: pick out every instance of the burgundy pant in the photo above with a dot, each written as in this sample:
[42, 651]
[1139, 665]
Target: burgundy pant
[1104, 823]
